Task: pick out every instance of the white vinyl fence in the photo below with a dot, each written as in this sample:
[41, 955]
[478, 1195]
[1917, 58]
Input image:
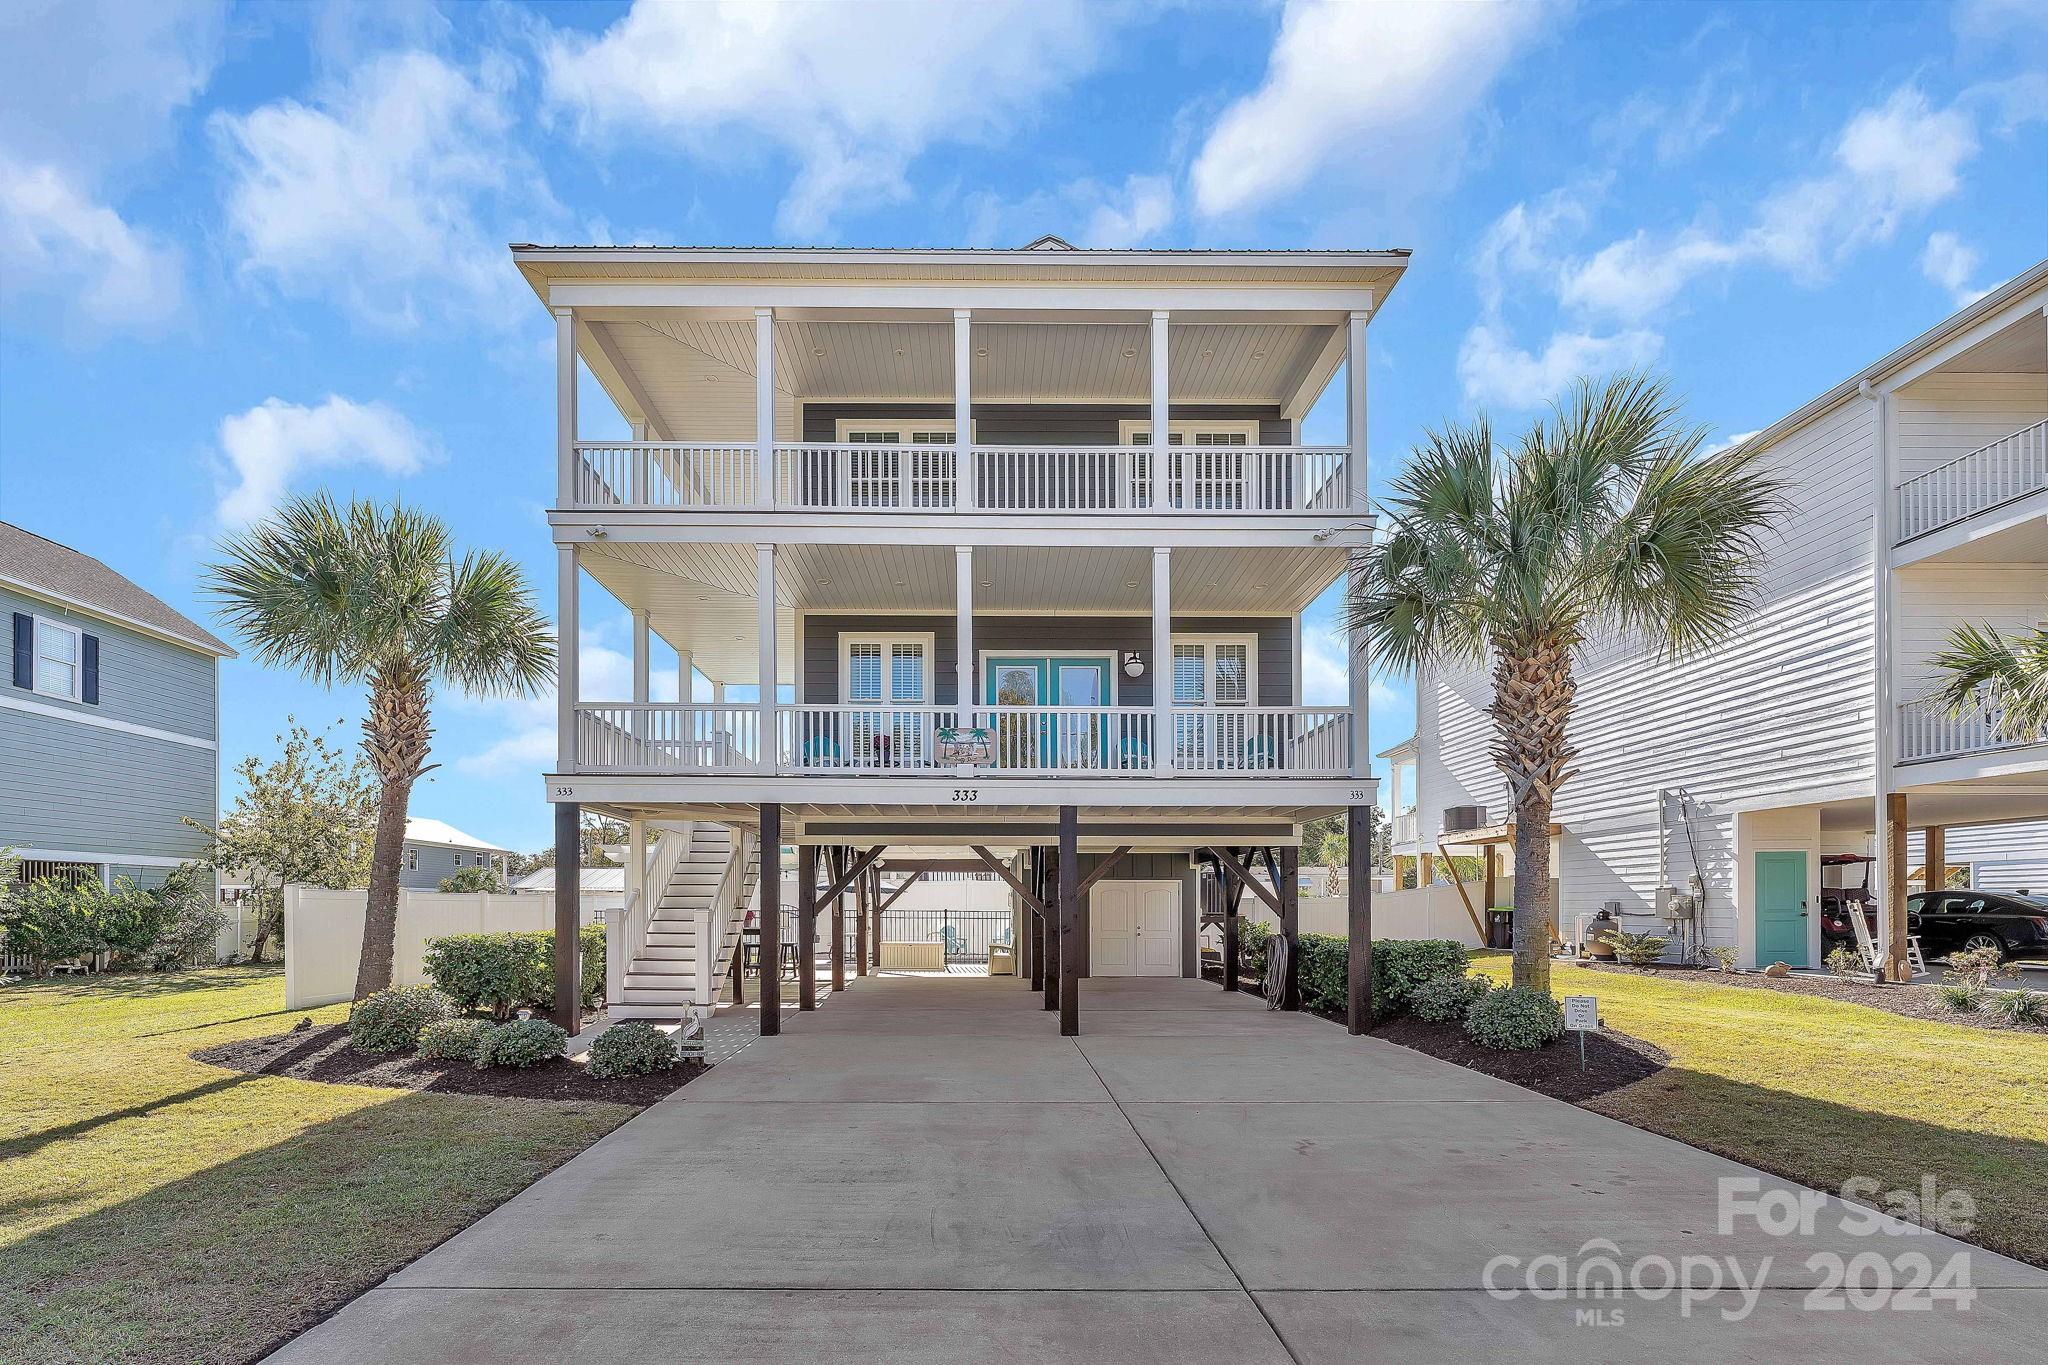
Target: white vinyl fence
[1433, 912]
[323, 933]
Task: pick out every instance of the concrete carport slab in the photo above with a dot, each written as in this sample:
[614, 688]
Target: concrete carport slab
[923, 1170]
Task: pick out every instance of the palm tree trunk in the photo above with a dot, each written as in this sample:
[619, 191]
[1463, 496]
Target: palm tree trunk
[396, 736]
[1532, 704]
[380, 915]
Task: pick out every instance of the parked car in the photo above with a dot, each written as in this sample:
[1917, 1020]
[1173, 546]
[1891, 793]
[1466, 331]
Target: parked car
[1947, 921]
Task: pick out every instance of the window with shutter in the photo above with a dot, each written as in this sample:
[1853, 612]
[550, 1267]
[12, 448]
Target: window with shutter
[58, 660]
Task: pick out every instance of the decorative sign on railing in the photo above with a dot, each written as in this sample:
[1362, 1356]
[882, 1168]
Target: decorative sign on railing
[855, 477]
[2010, 467]
[1021, 741]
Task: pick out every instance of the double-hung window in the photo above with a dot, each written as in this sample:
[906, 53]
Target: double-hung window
[58, 659]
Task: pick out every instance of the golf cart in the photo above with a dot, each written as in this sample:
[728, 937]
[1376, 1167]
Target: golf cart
[1845, 888]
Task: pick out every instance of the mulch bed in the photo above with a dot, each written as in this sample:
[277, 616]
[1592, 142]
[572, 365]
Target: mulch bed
[1912, 1002]
[1613, 1059]
[324, 1054]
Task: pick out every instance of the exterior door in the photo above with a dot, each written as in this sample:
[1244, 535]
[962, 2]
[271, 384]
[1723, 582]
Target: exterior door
[1134, 929]
[1781, 909]
[1051, 740]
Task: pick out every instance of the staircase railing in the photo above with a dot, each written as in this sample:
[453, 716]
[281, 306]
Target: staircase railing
[713, 920]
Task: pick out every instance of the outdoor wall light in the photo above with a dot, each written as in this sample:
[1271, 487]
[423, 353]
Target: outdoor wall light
[1134, 665]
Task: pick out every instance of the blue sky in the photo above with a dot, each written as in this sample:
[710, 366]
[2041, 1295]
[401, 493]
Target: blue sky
[255, 249]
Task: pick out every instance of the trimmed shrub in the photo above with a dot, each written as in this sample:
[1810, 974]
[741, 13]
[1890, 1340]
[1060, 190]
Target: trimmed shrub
[390, 1021]
[1964, 997]
[1723, 957]
[1514, 1019]
[634, 1048]
[1637, 950]
[1400, 965]
[454, 1040]
[500, 973]
[523, 1042]
[1446, 999]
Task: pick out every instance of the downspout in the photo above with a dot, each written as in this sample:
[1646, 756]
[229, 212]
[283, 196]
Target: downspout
[1881, 659]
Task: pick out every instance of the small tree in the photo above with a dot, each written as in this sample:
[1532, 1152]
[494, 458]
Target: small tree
[48, 922]
[303, 817]
[191, 920]
[474, 879]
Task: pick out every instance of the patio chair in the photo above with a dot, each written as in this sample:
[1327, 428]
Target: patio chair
[1872, 955]
[822, 751]
[956, 942]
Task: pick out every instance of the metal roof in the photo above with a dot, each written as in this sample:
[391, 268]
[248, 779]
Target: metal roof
[43, 568]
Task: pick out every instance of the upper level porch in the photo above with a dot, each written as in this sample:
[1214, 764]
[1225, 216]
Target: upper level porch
[866, 387]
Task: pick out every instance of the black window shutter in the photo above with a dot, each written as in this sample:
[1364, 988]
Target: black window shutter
[89, 671]
[24, 650]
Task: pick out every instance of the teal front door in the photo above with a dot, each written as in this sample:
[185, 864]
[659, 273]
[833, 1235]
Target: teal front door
[1781, 909]
[1049, 739]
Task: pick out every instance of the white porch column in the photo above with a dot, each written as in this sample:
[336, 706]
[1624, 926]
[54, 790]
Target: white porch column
[1162, 372]
[637, 494]
[686, 676]
[964, 494]
[565, 406]
[764, 624]
[963, 630]
[566, 583]
[764, 407]
[640, 671]
[1162, 656]
[1354, 408]
[1359, 674]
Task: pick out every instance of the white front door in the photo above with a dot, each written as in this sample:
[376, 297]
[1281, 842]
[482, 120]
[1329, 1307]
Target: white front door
[1134, 929]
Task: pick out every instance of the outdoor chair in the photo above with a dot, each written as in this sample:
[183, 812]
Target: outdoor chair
[1872, 955]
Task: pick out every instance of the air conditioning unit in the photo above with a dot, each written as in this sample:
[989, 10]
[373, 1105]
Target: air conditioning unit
[1459, 819]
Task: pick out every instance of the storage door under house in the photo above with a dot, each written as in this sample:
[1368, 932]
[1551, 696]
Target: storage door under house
[1134, 929]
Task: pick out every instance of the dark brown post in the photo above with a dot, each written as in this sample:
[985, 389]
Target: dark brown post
[739, 972]
[1230, 893]
[860, 926]
[875, 913]
[1070, 922]
[1491, 891]
[838, 922]
[1897, 967]
[806, 926]
[1051, 984]
[771, 919]
[1289, 878]
[1034, 924]
[568, 909]
[1358, 959]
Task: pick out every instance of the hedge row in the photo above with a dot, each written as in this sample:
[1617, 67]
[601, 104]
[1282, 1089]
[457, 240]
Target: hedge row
[1398, 967]
[502, 973]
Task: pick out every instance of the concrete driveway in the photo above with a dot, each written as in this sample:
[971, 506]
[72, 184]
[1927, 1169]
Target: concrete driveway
[923, 1171]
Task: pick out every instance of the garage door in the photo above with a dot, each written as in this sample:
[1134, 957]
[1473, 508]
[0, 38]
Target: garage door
[1134, 929]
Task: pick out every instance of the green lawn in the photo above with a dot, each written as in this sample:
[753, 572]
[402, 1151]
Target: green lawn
[1821, 1091]
[156, 1209]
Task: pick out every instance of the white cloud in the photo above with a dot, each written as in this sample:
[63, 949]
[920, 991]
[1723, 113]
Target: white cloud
[1129, 216]
[1729, 442]
[1087, 212]
[266, 447]
[1949, 261]
[93, 87]
[1363, 92]
[1326, 671]
[1494, 369]
[56, 241]
[853, 93]
[395, 191]
[527, 724]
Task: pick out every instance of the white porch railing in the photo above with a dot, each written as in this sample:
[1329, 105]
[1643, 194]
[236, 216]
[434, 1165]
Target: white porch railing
[2010, 467]
[667, 737]
[1404, 827]
[673, 737]
[838, 477]
[1927, 731]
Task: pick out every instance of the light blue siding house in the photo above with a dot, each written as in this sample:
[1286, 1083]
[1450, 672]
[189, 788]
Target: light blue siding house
[109, 718]
[435, 850]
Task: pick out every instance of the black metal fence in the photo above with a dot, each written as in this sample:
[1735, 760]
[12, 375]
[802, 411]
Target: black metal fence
[967, 934]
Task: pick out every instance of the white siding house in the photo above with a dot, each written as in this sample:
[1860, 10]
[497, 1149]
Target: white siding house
[1919, 500]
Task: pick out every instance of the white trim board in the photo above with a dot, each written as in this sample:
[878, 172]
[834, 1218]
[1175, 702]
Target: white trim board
[65, 855]
[113, 618]
[105, 723]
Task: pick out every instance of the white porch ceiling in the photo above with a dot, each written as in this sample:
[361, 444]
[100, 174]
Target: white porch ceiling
[2021, 348]
[700, 597]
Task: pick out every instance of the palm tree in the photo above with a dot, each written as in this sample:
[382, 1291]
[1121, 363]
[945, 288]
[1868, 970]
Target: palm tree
[1603, 519]
[375, 595]
[2009, 672]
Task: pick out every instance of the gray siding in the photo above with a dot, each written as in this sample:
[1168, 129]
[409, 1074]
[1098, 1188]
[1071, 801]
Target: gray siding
[64, 785]
[819, 649]
[1044, 424]
[143, 680]
[437, 863]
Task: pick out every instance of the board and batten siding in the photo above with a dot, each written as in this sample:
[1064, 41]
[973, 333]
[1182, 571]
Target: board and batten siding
[77, 786]
[1779, 715]
[1043, 635]
[1944, 417]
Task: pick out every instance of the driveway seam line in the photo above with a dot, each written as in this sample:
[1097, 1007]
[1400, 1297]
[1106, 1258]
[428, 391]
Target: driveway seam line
[1174, 1185]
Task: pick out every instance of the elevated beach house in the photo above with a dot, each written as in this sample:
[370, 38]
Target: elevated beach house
[108, 720]
[1710, 790]
[986, 559]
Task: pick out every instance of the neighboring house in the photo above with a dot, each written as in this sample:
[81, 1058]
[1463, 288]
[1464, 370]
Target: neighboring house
[1918, 500]
[950, 544]
[435, 851]
[108, 720]
[595, 881]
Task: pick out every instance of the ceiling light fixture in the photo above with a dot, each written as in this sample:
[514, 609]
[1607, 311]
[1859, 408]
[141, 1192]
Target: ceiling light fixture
[1207, 354]
[1258, 355]
[817, 350]
[1130, 351]
[981, 350]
